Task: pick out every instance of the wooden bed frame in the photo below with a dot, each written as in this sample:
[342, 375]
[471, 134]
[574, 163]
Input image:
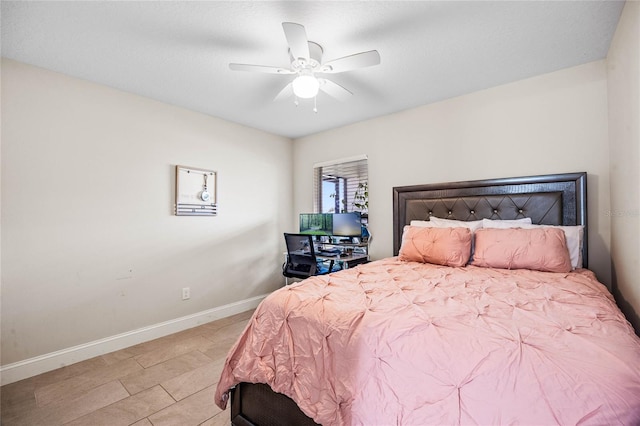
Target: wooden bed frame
[559, 199]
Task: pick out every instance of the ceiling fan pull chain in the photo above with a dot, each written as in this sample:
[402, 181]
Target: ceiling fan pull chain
[315, 104]
[295, 100]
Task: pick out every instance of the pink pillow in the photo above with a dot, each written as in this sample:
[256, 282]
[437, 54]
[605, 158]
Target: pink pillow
[441, 246]
[540, 249]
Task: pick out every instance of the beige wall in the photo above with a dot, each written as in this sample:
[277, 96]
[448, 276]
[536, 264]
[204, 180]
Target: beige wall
[553, 123]
[90, 247]
[624, 135]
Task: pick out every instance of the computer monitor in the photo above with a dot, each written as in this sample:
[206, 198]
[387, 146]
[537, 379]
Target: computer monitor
[316, 223]
[347, 224]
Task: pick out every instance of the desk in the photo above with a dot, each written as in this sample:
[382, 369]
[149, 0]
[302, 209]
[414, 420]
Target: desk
[346, 261]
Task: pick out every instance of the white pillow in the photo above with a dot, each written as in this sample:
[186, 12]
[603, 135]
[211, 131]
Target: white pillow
[473, 225]
[507, 223]
[422, 223]
[572, 234]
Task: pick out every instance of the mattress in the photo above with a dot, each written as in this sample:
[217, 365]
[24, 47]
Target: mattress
[396, 342]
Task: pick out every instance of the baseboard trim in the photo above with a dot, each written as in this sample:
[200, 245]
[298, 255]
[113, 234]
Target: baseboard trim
[41, 364]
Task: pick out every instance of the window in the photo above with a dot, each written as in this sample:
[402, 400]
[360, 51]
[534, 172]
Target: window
[341, 186]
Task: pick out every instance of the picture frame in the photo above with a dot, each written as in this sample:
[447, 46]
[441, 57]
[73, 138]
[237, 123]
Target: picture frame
[196, 192]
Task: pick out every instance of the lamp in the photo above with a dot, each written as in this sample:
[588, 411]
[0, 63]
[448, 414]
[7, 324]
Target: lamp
[305, 85]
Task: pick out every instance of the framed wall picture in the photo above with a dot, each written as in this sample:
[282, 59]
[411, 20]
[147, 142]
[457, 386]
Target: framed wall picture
[196, 192]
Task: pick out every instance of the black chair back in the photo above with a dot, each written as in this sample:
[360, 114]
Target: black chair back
[301, 257]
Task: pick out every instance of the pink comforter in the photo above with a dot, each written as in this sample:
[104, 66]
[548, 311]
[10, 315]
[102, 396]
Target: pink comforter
[407, 343]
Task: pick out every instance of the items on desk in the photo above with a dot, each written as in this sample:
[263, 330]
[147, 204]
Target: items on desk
[330, 251]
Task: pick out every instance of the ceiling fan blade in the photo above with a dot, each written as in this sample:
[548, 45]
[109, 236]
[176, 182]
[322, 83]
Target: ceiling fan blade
[297, 40]
[334, 89]
[260, 68]
[286, 92]
[347, 63]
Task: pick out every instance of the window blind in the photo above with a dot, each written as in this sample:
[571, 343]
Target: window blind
[341, 186]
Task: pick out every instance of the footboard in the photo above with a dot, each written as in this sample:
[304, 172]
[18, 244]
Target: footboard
[256, 404]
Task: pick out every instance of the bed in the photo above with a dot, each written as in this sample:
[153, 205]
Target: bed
[446, 333]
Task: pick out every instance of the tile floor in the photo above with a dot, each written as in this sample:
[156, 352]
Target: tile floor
[167, 381]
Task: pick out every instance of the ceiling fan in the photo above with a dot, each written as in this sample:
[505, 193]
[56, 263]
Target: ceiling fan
[306, 63]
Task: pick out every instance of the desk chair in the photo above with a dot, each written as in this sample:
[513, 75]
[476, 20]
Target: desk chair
[301, 258]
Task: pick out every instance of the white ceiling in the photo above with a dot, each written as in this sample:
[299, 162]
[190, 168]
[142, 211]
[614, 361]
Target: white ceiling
[178, 52]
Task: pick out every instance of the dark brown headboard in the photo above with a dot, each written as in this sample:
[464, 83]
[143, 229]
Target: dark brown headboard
[559, 199]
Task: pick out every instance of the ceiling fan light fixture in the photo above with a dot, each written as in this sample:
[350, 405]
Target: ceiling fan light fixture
[305, 86]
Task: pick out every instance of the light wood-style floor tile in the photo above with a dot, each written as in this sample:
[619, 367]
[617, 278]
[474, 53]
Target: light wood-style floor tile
[68, 371]
[146, 422]
[192, 410]
[191, 332]
[78, 385]
[171, 351]
[144, 347]
[68, 409]
[128, 410]
[242, 317]
[224, 338]
[16, 400]
[20, 395]
[219, 351]
[223, 333]
[193, 381]
[158, 373]
[117, 356]
[221, 419]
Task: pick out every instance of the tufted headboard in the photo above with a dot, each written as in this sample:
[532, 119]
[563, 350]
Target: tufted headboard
[559, 199]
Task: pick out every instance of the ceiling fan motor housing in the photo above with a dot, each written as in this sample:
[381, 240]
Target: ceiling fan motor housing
[315, 58]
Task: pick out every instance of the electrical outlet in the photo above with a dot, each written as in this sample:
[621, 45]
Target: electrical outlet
[186, 293]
